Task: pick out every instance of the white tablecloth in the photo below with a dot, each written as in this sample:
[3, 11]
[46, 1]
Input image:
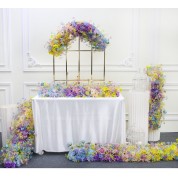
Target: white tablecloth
[59, 121]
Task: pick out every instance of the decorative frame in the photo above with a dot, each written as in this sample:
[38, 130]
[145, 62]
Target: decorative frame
[5, 65]
[128, 64]
[6, 88]
[78, 78]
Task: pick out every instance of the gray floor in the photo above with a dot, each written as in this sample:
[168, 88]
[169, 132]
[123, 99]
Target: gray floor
[58, 160]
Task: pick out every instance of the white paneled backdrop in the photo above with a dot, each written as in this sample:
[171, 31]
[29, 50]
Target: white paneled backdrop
[138, 37]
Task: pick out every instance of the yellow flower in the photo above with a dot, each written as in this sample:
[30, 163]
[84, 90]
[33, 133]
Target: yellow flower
[113, 95]
[92, 146]
[58, 35]
[105, 88]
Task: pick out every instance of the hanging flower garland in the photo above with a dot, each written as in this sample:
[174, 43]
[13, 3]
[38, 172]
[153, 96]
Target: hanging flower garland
[123, 153]
[87, 33]
[79, 90]
[157, 95]
[19, 148]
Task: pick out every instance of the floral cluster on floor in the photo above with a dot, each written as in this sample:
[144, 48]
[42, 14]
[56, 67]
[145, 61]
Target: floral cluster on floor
[123, 152]
[19, 147]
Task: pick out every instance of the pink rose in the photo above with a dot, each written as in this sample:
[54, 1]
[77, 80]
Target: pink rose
[101, 150]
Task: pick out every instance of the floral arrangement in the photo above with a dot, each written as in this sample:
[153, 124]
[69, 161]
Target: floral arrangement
[123, 153]
[19, 148]
[86, 31]
[79, 90]
[157, 95]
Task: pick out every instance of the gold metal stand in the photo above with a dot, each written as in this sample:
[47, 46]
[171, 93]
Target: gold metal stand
[79, 77]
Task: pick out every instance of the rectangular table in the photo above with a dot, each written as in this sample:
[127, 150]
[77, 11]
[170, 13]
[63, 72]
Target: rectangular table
[59, 121]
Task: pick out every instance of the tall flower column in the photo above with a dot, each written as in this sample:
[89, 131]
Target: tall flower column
[156, 102]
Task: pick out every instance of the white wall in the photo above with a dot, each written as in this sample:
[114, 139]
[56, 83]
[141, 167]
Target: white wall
[138, 37]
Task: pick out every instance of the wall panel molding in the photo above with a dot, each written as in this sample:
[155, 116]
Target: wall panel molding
[5, 23]
[128, 64]
[29, 87]
[6, 88]
[155, 35]
[170, 67]
[169, 115]
[171, 86]
[155, 19]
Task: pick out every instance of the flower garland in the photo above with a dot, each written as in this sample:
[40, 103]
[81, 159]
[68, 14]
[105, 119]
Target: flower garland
[78, 90]
[157, 95]
[19, 148]
[123, 153]
[87, 33]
